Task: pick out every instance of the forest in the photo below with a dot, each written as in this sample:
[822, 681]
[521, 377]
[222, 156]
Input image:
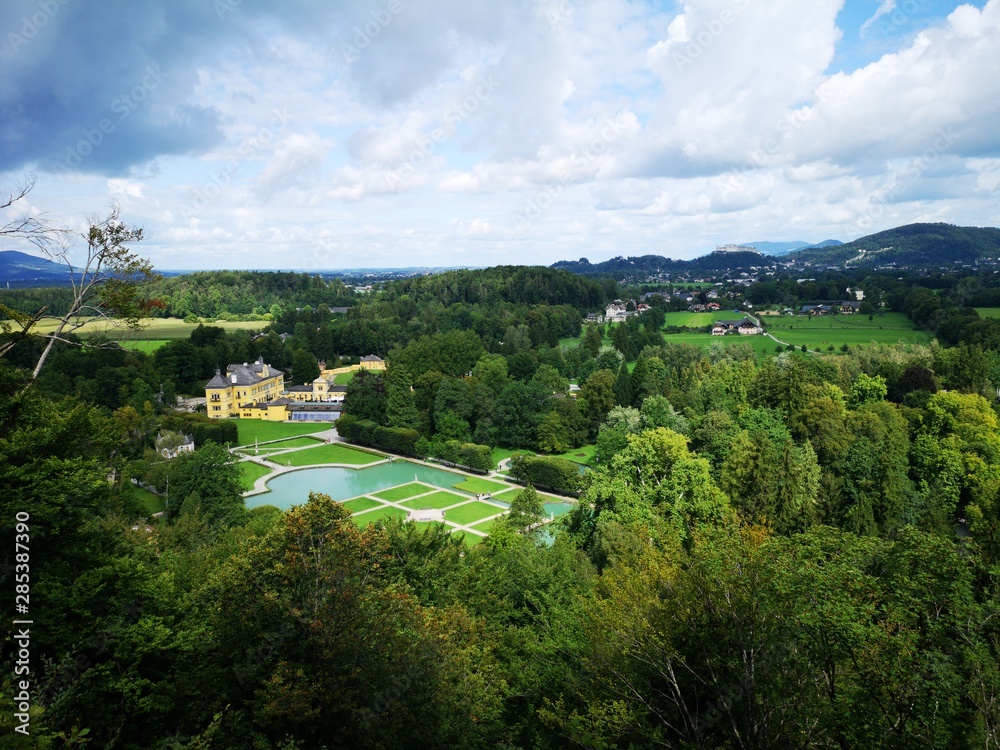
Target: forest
[791, 550]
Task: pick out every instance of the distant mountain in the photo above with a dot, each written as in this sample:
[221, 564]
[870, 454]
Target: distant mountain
[783, 248]
[910, 245]
[21, 269]
[651, 265]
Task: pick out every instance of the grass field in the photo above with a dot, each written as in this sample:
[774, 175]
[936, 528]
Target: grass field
[480, 486]
[485, 526]
[158, 329]
[508, 496]
[988, 312]
[284, 445]
[343, 378]
[250, 473]
[403, 491]
[328, 454]
[760, 344]
[471, 540]
[471, 512]
[147, 346]
[371, 516]
[821, 332]
[258, 429]
[152, 502]
[436, 501]
[582, 455]
[499, 454]
[360, 504]
[698, 320]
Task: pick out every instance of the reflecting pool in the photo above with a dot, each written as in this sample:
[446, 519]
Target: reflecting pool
[293, 488]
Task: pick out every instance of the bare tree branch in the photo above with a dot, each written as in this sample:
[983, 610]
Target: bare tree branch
[107, 286]
[35, 229]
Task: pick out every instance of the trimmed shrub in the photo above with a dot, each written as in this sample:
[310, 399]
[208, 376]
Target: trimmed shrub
[557, 473]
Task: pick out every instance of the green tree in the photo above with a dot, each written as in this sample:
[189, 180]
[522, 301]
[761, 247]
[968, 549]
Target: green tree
[623, 387]
[553, 435]
[598, 391]
[305, 368]
[593, 339]
[213, 475]
[401, 405]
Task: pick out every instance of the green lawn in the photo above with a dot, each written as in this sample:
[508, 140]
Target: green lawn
[485, 526]
[499, 454]
[250, 473]
[333, 453]
[153, 502]
[284, 445]
[260, 430]
[582, 455]
[403, 491]
[363, 519]
[361, 504]
[508, 496]
[148, 346]
[471, 540]
[988, 312]
[480, 486]
[463, 515]
[436, 500]
[343, 378]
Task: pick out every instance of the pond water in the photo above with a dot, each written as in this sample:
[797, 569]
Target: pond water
[293, 488]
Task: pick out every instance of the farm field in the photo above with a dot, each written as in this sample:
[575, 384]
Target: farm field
[760, 344]
[698, 320]
[262, 431]
[154, 329]
[854, 330]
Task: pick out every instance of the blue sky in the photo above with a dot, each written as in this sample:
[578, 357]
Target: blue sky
[384, 133]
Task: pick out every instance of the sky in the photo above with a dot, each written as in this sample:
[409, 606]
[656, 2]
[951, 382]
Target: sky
[310, 134]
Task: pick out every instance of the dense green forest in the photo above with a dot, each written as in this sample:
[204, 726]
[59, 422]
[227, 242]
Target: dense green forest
[768, 551]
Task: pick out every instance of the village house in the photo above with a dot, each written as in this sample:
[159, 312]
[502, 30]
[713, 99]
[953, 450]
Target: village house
[744, 327]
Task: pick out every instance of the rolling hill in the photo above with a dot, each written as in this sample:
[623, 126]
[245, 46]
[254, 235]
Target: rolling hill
[21, 269]
[910, 245]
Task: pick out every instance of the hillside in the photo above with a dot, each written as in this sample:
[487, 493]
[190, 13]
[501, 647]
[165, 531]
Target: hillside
[621, 267]
[20, 269]
[910, 245]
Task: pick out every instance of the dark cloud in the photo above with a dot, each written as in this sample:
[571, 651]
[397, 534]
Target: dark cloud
[103, 87]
